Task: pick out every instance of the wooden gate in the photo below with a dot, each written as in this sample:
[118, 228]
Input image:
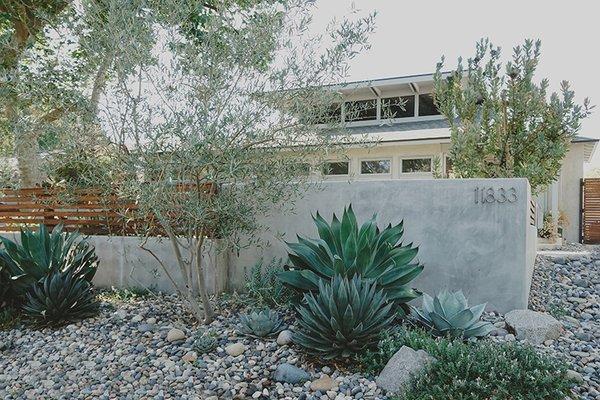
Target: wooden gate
[590, 211]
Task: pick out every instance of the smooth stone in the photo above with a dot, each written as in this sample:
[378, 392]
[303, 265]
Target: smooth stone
[574, 376]
[323, 384]
[400, 369]
[284, 338]
[175, 335]
[533, 326]
[190, 357]
[287, 373]
[235, 349]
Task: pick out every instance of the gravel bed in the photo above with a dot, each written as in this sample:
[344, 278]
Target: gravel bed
[123, 353]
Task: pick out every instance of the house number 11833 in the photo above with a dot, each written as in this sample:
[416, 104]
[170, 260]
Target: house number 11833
[500, 195]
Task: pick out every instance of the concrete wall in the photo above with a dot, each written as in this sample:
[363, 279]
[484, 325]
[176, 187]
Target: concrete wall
[487, 250]
[569, 190]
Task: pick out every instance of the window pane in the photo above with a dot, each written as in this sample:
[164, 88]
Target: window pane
[363, 110]
[427, 106]
[416, 165]
[398, 107]
[375, 167]
[336, 168]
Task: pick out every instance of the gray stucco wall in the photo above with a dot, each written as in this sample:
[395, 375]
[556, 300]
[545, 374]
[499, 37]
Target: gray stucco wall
[569, 194]
[487, 250]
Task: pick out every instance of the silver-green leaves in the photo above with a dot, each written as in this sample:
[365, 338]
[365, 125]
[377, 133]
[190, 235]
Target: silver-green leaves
[345, 249]
[343, 318]
[261, 324]
[448, 314]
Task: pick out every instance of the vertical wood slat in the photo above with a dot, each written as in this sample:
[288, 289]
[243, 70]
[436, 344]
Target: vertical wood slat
[590, 211]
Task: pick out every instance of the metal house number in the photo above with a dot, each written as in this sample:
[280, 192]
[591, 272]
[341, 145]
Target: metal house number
[500, 195]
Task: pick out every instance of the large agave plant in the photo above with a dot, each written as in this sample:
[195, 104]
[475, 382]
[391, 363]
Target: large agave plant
[448, 314]
[347, 250]
[60, 297]
[261, 324]
[41, 252]
[343, 318]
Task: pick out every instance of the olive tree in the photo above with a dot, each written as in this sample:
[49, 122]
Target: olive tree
[503, 122]
[209, 126]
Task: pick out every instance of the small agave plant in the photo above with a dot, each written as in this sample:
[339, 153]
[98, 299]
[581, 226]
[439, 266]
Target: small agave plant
[204, 343]
[448, 314]
[260, 324]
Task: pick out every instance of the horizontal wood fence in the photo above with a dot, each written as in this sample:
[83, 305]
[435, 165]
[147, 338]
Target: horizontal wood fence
[88, 212]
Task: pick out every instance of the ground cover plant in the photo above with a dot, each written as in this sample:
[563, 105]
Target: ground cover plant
[473, 370]
[264, 286]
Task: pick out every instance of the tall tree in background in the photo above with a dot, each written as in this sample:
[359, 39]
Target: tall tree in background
[503, 123]
[51, 77]
[209, 122]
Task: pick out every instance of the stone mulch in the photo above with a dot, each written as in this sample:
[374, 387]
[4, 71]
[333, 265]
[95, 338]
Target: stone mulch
[124, 353]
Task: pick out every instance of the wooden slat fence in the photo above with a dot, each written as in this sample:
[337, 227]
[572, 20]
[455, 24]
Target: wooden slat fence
[590, 210]
[88, 212]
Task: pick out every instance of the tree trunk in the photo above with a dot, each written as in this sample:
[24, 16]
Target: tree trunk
[209, 314]
[27, 150]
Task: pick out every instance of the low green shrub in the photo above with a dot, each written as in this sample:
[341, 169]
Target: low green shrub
[344, 317]
[263, 286]
[9, 317]
[473, 370]
[58, 298]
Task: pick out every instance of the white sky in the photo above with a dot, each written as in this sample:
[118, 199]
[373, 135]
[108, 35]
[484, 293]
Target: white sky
[411, 36]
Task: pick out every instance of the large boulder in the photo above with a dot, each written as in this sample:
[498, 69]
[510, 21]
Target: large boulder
[399, 370]
[533, 326]
[287, 373]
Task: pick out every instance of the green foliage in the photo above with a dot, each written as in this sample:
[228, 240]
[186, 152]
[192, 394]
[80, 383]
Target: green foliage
[261, 324]
[204, 342]
[126, 294]
[41, 252]
[503, 122]
[474, 370]
[343, 318]
[448, 314]
[347, 250]
[265, 288]
[60, 297]
[549, 227]
[9, 317]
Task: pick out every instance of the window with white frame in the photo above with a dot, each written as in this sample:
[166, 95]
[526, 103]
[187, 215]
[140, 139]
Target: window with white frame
[415, 165]
[336, 168]
[383, 166]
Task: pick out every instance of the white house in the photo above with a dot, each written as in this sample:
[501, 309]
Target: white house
[415, 142]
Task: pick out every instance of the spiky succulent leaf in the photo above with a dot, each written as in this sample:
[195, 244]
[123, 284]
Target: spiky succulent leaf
[41, 252]
[260, 324]
[204, 343]
[344, 317]
[60, 297]
[448, 314]
[343, 248]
